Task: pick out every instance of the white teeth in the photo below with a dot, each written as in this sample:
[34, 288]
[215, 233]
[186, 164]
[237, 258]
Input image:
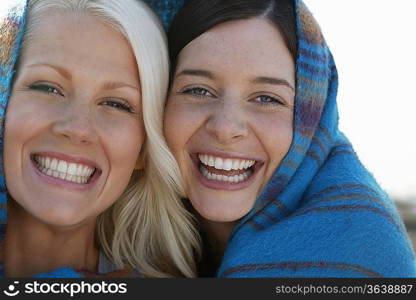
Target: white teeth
[204, 158]
[211, 161]
[79, 169]
[72, 169]
[225, 163]
[228, 164]
[87, 171]
[47, 162]
[236, 165]
[64, 170]
[54, 164]
[62, 166]
[218, 163]
[233, 179]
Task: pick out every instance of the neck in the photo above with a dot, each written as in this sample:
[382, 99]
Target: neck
[217, 234]
[32, 247]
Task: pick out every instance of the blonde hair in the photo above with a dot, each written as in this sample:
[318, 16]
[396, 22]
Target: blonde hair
[147, 228]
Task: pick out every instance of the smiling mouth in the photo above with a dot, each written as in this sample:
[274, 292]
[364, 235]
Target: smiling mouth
[230, 170]
[68, 171]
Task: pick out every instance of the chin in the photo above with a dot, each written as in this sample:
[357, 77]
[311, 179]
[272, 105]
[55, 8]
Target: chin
[61, 220]
[221, 214]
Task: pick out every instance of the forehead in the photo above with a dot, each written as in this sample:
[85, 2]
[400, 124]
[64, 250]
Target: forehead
[68, 38]
[256, 42]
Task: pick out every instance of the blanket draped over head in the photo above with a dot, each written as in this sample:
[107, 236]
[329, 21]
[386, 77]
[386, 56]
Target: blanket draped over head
[322, 214]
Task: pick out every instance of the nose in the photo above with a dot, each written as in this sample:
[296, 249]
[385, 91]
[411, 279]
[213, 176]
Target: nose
[75, 123]
[227, 123]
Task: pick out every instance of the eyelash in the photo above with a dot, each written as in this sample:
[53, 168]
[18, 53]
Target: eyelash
[193, 91]
[117, 104]
[196, 92]
[271, 100]
[42, 87]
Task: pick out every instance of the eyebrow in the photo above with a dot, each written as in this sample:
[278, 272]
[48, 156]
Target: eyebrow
[110, 85]
[60, 70]
[113, 85]
[272, 80]
[197, 72]
[257, 80]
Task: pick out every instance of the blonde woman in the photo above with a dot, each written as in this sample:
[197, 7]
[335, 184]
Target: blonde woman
[89, 182]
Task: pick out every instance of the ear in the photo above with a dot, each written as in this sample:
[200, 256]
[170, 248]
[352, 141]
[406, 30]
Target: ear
[140, 163]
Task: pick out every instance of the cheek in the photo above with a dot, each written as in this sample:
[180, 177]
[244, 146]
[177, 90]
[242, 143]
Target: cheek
[26, 116]
[123, 140]
[276, 135]
[280, 141]
[12, 150]
[180, 125]
[23, 122]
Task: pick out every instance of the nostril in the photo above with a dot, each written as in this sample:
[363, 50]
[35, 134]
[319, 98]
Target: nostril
[75, 132]
[225, 127]
[228, 133]
[75, 124]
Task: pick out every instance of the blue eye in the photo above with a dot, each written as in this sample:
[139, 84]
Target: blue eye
[197, 91]
[118, 104]
[43, 87]
[268, 100]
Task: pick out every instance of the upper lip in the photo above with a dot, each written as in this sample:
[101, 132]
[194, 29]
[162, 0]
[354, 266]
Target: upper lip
[69, 158]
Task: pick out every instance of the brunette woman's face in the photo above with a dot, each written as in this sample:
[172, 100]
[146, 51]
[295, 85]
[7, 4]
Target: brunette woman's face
[229, 115]
[73, 129]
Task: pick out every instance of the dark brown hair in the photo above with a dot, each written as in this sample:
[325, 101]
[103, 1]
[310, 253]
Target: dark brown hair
[198, 16]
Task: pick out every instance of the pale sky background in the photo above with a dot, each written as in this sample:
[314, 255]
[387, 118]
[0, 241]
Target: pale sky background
[374, 45]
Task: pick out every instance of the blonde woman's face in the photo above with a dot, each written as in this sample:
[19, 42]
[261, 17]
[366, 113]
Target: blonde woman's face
[229, 115]
[73, 129]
